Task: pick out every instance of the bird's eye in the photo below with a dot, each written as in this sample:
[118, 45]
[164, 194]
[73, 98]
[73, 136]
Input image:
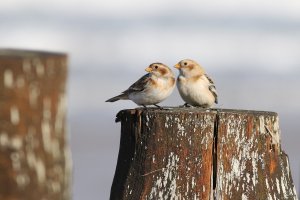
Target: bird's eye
[185, 63]
[155, 66]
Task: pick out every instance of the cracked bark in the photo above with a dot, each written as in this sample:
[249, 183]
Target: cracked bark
[190, 153]
[34, 154]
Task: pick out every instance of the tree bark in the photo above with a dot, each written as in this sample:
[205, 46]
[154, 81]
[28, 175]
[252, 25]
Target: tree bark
[190, 153]
[34, 154]
[250, 162]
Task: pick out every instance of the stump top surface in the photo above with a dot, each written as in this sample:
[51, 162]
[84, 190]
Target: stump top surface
[28, 53]
[191, 110]
[198, 110]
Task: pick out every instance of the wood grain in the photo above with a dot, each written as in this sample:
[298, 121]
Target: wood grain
[191, 153]
[34, 154]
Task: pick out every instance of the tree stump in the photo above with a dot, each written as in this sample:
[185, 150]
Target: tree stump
[34, 154]
[191, 153]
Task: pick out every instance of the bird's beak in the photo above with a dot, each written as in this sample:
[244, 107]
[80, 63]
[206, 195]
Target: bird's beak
[148, 69]
[177, 66]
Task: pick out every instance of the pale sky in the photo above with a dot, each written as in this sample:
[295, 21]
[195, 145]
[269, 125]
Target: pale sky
[263, 33]
[280, 8]
[132, 32]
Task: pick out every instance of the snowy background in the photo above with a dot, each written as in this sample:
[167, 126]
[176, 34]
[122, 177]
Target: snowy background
[250, 48]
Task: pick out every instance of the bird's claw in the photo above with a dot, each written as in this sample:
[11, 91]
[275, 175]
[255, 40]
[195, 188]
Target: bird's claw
[161, 108]
[186, 105]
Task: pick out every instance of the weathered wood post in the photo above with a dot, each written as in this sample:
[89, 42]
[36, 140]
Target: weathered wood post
[34, 154]
[190, 153]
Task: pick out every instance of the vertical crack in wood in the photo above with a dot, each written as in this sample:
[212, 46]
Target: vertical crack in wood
[138, 116]
[214, 154]
[139, 119]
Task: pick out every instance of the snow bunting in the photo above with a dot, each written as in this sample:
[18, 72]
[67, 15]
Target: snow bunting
[152, 88]
[194, 86]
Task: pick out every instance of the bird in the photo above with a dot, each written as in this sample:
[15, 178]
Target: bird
[195, 87]
[150, 89]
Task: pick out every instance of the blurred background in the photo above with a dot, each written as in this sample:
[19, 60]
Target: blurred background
[250, 48]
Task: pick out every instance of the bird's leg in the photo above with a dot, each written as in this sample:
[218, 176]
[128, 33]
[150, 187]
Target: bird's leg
[205, 106]
[161, 108]
[145, 107]
[186, 105]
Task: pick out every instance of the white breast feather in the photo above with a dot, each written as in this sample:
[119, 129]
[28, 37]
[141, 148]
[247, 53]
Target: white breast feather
[152, 95]
[195, 93]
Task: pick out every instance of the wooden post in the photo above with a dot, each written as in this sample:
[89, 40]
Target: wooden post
[190, 153]
[34, 154]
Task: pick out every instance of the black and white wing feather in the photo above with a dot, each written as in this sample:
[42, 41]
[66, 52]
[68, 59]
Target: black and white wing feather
[212, 88]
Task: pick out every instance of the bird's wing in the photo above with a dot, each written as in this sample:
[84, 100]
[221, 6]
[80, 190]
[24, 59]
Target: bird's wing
[212, 88]
[139, 85]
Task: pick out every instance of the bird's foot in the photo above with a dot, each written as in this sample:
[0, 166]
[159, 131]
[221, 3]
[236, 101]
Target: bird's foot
[161, 108]
[145, 107]
[186, 105]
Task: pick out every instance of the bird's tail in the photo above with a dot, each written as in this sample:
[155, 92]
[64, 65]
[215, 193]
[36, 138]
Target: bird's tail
[116, 98]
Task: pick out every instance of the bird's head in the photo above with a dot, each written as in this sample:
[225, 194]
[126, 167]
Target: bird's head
[188, 67]
[160, 70]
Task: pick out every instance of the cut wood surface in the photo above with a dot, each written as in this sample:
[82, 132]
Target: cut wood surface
[34, 154]
[192, 153]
